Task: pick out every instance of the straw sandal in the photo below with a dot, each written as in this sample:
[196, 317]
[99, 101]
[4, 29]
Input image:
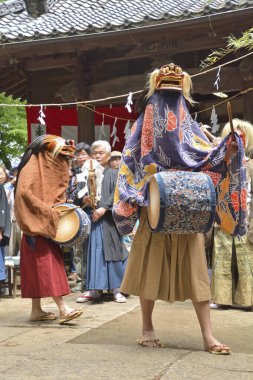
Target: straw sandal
[219, 349]
[72, 315]
[152, 343]
[44, 317]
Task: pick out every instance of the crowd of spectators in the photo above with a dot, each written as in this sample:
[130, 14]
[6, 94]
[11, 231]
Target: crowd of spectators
[96, 267]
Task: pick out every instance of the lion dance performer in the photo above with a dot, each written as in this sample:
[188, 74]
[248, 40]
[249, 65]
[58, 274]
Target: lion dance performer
[172, 267]
[232, 259]
[41, 183]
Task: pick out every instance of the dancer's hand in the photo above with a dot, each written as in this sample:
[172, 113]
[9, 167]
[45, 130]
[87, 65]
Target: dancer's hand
[216, 141]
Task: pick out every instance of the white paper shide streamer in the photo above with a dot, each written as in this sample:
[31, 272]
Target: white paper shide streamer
[114, 133]
[214, 121]
[41, 116]
[216, 83]
[102, 134]
[129, 102]
[127, 129]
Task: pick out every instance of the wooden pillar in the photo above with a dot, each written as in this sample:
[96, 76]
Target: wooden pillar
[86, 129]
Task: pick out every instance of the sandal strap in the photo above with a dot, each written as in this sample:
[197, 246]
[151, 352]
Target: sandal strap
[150, 343]
[219, 348]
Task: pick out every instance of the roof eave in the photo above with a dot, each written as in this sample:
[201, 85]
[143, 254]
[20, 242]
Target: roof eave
[134, 30]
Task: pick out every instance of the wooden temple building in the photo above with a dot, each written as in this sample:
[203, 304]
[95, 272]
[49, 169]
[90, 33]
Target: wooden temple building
[59, 51]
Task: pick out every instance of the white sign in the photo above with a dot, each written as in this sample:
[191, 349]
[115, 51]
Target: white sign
[70, 132]
[37, 130]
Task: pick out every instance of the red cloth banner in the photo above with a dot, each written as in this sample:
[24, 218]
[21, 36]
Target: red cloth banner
[110, 126]
[111, 123]
[59, 121]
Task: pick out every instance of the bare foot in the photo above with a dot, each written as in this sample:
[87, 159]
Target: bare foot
[148, 335]
[213, 346]
[65, 311]
[73, 314]
[149, 340]
[41, 315]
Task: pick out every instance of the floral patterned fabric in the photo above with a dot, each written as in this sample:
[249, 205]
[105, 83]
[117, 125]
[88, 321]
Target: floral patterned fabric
[165, 137]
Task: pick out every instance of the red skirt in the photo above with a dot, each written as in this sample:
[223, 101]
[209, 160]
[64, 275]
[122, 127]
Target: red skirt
[42, 269]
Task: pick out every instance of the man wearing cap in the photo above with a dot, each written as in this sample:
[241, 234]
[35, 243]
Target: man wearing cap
[115, 159]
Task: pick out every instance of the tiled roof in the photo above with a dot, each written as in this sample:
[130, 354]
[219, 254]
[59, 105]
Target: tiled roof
[80, 17]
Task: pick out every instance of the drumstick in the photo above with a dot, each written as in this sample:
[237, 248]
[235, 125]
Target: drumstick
[92, 185]
[230, 117]
[70, 209]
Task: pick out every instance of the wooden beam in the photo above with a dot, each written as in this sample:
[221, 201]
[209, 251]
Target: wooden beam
[9, 88]
[49, 63]
[5, 71]
[14, 77]
[20, 92]
[117, 86]
[167, 46]
[230, 81]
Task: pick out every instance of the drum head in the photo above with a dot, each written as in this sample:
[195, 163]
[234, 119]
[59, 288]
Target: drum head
[68, 225]
[154, 205]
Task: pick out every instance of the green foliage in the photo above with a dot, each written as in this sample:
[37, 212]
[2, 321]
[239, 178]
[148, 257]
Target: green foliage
[233, 44]
[246, 41]
[13, 130]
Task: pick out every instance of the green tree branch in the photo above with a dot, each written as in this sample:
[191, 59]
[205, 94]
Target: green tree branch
[233, 45]
[13, 130]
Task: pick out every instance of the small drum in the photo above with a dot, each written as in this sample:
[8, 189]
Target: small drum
[73, 227]
[181, 202]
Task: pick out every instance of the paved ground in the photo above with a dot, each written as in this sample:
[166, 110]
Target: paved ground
[102, 343]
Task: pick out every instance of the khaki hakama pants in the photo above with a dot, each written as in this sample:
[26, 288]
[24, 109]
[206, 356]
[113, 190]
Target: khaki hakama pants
[232, 270]
[169, 267]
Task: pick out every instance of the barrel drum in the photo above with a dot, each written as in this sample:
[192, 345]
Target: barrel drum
[181, 202]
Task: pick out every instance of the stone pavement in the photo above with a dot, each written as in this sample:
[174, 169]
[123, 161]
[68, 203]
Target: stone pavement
[101, 344]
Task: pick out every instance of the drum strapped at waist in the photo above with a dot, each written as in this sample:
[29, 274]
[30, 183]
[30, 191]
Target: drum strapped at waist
[74, 225]
[181, 202]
